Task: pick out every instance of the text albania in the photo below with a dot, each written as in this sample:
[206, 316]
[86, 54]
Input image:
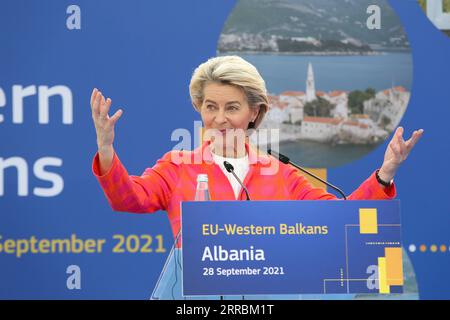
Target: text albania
[217, 253]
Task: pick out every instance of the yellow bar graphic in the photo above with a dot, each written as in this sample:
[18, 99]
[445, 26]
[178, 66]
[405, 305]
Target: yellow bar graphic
[368, 223]
[394, 266]
[382, 279]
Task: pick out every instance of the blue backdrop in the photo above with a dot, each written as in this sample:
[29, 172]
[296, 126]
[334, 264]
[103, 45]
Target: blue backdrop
[142, 54]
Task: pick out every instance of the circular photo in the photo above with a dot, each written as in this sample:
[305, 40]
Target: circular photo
[438, 11]
[338, 73]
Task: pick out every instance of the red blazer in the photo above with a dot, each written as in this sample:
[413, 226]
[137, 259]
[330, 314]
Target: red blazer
[173, 179]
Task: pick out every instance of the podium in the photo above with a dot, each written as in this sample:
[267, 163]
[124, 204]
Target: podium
[287, 250]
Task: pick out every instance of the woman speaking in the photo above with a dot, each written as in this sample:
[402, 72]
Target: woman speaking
[231, 97]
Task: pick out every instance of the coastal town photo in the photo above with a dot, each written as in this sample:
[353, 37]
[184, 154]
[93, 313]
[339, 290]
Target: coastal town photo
[338, 73]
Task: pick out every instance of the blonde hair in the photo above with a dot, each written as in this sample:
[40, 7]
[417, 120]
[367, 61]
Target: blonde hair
[232, 70]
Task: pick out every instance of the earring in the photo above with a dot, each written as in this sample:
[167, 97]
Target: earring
[251, 125]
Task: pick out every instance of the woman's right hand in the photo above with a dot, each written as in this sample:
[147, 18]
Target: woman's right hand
[104, 124]
[104, 127]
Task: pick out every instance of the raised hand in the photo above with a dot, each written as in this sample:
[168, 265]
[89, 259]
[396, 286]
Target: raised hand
[104, 127]
[104, 124]
[397, 152]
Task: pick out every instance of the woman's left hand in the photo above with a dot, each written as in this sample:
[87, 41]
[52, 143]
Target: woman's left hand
[397, 152]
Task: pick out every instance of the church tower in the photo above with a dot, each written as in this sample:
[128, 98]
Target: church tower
[310, 87]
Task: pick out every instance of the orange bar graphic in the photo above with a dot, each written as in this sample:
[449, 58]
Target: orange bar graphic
[394, 266]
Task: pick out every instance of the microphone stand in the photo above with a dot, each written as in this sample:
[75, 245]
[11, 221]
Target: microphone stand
[286, 160]
[230, 169]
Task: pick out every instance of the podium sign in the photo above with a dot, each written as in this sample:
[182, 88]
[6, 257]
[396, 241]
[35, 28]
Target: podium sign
[291, 247]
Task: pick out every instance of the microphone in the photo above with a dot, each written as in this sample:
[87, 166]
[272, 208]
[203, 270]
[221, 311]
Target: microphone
[230, 169]
[286, 160]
